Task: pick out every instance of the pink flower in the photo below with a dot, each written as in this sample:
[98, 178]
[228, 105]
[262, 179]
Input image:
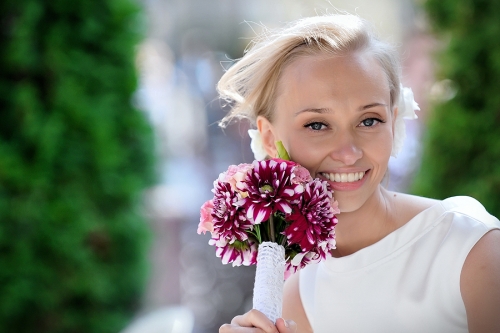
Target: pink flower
[235, 174]
[301, 175]
[313, 220]
[229, 219]
[238, 253]
[335, 206]
[206, 221]
[269, 188]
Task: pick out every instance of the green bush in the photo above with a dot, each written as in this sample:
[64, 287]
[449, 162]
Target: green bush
[74, 158]
[462, 148]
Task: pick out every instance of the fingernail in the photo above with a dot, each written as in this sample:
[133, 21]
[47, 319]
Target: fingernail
[285, 322]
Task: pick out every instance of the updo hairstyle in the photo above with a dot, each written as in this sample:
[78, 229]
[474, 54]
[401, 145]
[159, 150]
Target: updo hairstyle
[249, 86]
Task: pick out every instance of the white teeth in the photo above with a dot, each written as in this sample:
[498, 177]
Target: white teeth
[344, 177]
[350, 177]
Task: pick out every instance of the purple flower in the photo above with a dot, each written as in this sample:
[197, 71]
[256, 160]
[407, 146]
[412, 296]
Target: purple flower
[228, 218]
[239, 253]
[312, 221]
[269, 188]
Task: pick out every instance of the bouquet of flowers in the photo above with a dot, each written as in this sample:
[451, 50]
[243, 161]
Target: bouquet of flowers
[273, 214]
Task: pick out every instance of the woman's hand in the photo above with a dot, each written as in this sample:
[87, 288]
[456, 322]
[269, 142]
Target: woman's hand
[255, 321]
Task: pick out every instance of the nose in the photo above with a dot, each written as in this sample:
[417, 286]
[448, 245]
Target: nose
[345, 149]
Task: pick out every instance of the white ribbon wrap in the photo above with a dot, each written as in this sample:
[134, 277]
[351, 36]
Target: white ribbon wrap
[269, 279]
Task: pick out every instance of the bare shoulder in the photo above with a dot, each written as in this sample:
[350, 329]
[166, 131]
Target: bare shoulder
[480, 284]
[292, 305]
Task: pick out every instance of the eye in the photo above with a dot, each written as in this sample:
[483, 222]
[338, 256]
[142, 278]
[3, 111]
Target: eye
[316, 126]
[370, 122]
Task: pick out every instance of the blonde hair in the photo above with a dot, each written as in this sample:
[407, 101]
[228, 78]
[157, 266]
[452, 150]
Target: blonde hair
[249, 86]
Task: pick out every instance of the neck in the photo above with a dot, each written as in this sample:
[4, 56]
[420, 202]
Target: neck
[365, 226]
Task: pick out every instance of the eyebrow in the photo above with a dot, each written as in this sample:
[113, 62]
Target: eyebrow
[321, 110]
[372, 105]
[326, 110]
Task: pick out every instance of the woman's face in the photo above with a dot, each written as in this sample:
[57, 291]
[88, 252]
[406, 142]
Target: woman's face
[333, 115]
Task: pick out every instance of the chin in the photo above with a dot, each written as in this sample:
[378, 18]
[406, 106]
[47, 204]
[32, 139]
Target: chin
[349, 209]
[346, 204]
[351, 201]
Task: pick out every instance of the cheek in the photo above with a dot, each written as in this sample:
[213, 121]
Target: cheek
[383, 144]
[308, 153]
[379, 149]
[300, 150]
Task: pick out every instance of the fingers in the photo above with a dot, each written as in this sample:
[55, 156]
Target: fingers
[255, 318]
[286, 326]
[230, 328]
[253, 321]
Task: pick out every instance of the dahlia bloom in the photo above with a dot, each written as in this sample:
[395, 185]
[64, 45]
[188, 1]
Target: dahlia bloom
[300, 261]
[312, 220]
[269, 188]
[229, 220]
[238, 253]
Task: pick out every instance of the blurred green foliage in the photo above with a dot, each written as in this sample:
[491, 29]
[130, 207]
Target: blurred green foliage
[462, 147]
[74, 158]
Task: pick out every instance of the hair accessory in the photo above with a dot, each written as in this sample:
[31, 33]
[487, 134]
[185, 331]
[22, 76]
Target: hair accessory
[406, 110]
[256, 145]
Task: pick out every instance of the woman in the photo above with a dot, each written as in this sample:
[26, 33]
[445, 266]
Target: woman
[329, 90]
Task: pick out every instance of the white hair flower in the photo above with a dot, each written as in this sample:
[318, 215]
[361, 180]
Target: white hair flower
[406, 110]
[256, 144]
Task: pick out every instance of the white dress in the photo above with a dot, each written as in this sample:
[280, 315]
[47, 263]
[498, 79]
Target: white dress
[407, 282]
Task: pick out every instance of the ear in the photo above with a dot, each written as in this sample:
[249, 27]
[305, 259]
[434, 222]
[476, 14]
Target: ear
[394, 116]
[266, 130]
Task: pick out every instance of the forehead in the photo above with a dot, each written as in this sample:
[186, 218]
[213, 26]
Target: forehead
[315, 79]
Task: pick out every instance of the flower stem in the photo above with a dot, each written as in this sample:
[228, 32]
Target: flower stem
[257, 234]
[271, 227]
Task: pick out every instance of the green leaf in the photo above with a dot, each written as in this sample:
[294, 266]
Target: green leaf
[282, 153]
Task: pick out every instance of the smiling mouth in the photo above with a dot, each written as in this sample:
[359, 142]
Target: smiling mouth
[344, 177]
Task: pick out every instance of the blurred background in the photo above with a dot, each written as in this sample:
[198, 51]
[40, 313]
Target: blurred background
[110, 144]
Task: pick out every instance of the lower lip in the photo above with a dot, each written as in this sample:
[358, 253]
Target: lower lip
[348, 186]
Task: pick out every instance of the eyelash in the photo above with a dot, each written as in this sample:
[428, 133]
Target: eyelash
[372, 118]
[309, 125]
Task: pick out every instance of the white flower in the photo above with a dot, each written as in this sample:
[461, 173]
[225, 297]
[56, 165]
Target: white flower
[256, 144]
[406, 110]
